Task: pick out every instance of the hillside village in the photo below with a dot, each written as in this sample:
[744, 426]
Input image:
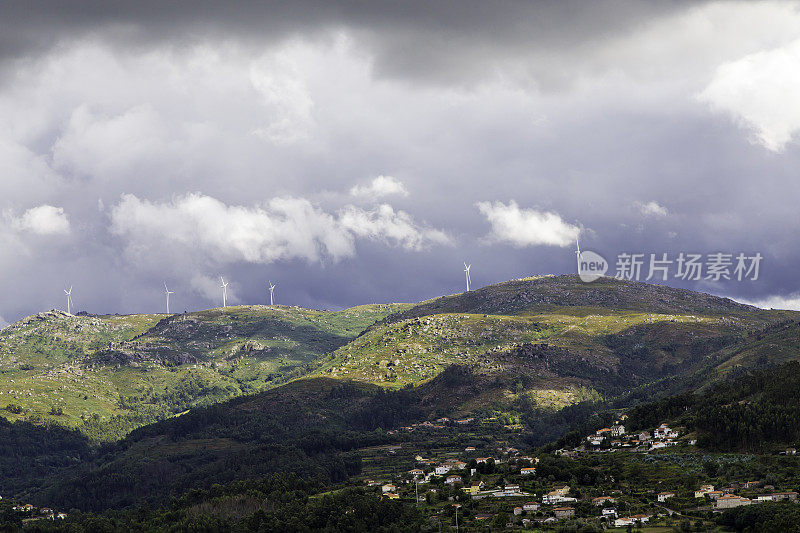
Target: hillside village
[501, 485]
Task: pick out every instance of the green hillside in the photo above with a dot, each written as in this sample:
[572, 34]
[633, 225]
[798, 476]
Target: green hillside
[556, 335]
[108, 374]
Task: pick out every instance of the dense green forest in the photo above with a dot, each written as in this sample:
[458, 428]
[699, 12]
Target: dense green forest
[756, 411]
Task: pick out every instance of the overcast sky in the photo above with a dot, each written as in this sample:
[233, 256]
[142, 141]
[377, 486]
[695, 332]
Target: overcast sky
[359, 152]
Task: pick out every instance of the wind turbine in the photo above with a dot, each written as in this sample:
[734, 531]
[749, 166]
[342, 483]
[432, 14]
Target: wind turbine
[466, 271]
[224, 287]
[578, 254]
[167, 292]
[69, 299]
[271, 293]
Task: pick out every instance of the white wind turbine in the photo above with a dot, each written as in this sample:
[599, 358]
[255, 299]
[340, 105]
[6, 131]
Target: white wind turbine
[224, 287]
[578, 254]
[271, 293]
[69, 299]
[466, 271]
[167, 292]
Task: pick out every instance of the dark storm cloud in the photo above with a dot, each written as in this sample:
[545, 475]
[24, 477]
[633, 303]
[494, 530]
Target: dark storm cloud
[359, 152]
[437, 41]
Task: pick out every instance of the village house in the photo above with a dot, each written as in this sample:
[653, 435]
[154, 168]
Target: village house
[703, 490]
[442, 470]
[416, 472]
[602, 500]
[643, 518]
[61, 516]
[564, 512]
[469, 449]
[511, 488]
[392, 495]
[608, 513]
[561, 490]
[594, 440]
[664, 432]
[482, 516]
[531, 506]
[453, 479]
[644, 436]
[388, 488]
[481, 460]
[751, 484]
[714, 494]
[527, 471]
[517, 511]
[664, 496]
[554, 497]
[778, 496]
[729, 501]
[474, 489]
[617, 430]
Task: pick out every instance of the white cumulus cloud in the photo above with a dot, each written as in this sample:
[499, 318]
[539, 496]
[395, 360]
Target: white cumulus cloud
[394, 227]
[282, 229]
[652, 209]
[41, 220]
[380, 187]
[760, 91]
[526, 227]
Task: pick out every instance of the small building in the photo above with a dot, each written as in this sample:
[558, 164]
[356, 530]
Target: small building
[714, 494]
[602, 500]
[517, 511]
[416, 472]
[664, 496]
[703, 490]
[644, 436]
[751, 484]
[778, 496]
[480, 460]
[388, 488]
[617, 430]
[608, 513]
[527, 471]
[562, 490]
[564, 512]
[469, 449]
[442, 470]
[643, 518]
[392, 495]
[729, 501]
[452, 480]
[482, 516]
[531, 506]
[511, 488]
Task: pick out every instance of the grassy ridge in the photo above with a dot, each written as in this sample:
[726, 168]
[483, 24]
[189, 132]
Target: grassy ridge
[106, 375]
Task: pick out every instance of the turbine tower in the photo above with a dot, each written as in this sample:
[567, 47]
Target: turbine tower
[167, 292]
[69, 299]
[466, 271]
[578, 255]
[271, 293]
[224, 287]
